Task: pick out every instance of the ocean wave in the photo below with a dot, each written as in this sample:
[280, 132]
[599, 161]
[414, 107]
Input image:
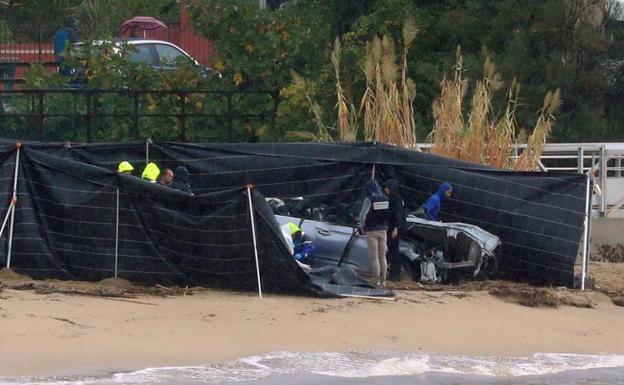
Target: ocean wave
[352, 364]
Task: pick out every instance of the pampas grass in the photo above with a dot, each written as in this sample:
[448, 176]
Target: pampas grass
[482, 137]
[385, 109]
[347, 117]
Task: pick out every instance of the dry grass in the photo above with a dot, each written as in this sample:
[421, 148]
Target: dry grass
[541, 297]
[347, 117]
[110, 287]
[513, 292]
[386, 106]
[482, 137]
[529, 159]
[609, 253]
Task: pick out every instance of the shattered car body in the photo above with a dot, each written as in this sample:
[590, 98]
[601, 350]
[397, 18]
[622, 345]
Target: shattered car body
[443, 251]
[431, 251]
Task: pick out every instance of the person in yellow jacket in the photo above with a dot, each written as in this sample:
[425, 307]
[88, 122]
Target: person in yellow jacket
[125, 168]
[151, 172]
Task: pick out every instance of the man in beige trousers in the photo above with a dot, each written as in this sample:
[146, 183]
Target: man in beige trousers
[374, 224]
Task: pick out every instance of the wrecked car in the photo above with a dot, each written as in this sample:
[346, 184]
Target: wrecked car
[431, 251]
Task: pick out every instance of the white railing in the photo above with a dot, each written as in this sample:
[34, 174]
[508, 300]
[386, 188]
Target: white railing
[605, 160]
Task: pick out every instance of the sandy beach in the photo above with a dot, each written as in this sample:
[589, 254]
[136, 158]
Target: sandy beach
[52, 333]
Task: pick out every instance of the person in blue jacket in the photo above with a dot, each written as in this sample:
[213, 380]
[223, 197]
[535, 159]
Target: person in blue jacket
[432, 206]
[63, 37]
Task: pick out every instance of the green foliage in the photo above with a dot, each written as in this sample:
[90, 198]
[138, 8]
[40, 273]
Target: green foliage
[38, 18]
[258, 48]
[5, 32]
[549, 44]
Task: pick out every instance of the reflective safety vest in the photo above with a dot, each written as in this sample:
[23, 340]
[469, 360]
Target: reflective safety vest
[377, 217]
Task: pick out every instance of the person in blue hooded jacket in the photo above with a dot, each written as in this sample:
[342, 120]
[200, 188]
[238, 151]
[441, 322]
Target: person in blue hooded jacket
[64, 36]
[433, 204]
[373, 220]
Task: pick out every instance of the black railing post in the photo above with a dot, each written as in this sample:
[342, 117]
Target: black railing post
[275, 96]
[182, 116]
[88, 115]
[230, 117]
[39, 40]
[40, 115]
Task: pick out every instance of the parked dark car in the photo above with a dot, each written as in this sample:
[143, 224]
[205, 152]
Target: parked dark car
[431, 251]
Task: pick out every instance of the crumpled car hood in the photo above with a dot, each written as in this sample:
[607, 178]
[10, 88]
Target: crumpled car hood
[488, 241]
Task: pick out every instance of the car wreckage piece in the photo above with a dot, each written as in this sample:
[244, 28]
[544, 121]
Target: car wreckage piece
[431, 251]
[444, 251]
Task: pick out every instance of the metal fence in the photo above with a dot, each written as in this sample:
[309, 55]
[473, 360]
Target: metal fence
[18, 49]
[98, 114]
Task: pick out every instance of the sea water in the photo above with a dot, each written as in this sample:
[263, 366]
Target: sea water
[371, 368]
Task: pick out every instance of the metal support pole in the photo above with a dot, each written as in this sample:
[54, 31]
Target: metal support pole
[589, 233]
[253, 232]
[579, 161]
[147, 145]
[6, 217]
[13, 202]
[117, 233]
[586, 233]
[603, 181]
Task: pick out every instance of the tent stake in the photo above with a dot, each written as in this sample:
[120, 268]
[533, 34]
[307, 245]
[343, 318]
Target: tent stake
[13, 202]
[586, 234]
[116, 233]
[253, 233]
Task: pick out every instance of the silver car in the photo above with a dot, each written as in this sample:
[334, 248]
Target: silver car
[431, 251]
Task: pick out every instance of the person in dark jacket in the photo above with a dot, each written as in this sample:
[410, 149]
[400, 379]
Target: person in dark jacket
[374, 223]
[432, 206]
[181, 180]
[396, 224]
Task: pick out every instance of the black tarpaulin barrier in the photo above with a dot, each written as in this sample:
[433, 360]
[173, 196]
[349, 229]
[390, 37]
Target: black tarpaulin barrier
[538, 216]
[8, 157]
[66, 227]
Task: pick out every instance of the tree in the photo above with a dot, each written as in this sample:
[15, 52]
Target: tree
[37, 19]
[258, 48]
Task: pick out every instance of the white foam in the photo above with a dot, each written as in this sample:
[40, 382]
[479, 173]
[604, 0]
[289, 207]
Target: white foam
[537, 364]
[355, 364]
